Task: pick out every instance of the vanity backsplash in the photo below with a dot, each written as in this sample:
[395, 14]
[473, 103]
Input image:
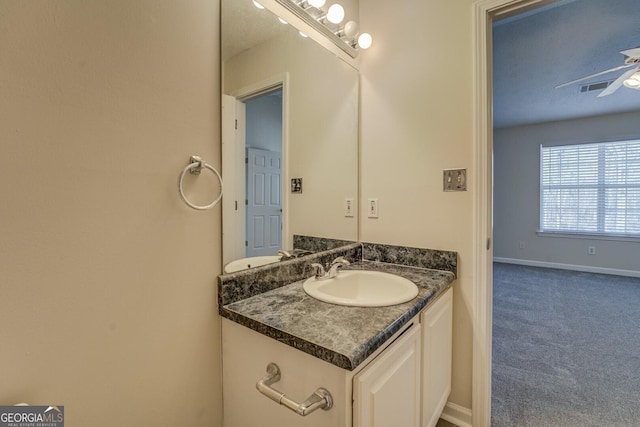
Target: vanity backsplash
[413, 257]
[244, 284]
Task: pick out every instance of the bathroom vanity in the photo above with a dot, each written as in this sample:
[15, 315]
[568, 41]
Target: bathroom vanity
[382, 366]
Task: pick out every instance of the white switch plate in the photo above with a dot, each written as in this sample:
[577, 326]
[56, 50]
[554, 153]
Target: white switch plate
[348, 207]
[372, 208]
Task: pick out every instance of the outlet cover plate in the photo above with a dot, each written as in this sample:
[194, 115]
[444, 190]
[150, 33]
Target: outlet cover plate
[454, 180]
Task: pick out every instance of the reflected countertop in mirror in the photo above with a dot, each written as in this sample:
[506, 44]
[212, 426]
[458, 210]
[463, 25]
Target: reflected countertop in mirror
[315, 95]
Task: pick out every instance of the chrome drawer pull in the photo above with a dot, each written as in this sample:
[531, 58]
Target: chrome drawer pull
[321, 398]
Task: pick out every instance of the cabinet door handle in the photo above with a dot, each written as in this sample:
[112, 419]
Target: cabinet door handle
[321, 398]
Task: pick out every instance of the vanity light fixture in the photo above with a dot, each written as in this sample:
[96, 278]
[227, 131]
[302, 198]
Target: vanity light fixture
[328, 23]
[633, 82]
[350, 29]
[349, 33]
[365, 41]
[317, 3]
[335, 14]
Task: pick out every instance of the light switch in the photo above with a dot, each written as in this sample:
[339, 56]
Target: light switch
[372, 208]
[455, 180]
[296, 185]
[348, 208]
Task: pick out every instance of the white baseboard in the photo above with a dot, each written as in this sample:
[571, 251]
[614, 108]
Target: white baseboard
[458, 415]
[584, 268]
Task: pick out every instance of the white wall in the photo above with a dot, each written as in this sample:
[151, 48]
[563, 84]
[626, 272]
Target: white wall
[107, 279]
[517, 193]
[416, 106]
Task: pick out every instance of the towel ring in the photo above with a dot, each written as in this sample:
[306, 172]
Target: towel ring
[194, 167]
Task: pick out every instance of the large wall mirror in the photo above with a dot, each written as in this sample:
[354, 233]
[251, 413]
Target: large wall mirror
[290, 135]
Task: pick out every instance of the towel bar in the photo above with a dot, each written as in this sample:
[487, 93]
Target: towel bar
[321, 398]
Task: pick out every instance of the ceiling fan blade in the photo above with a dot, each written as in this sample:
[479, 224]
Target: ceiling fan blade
[610, 70]
[617, 83]
[633, 53]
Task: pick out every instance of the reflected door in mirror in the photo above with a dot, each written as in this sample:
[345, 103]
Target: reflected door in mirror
[264, 209]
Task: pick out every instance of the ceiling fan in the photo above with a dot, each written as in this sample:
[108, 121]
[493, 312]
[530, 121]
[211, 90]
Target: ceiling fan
[630, 78]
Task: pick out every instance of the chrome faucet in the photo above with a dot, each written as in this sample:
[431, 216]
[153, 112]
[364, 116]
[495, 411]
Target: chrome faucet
[284, 254]
[318, 271]
[335, 265]
[320, 274]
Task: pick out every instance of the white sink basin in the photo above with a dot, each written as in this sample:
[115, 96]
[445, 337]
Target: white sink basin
[244, 263]
[362, 289]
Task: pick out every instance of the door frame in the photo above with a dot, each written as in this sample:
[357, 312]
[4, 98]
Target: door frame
[250, 91]
[233, 213]
[483, 13]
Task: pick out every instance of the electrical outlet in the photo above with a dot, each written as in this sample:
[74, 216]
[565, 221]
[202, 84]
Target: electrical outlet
[521, 244]
[591, 250]
[348, 208]
[372, 208]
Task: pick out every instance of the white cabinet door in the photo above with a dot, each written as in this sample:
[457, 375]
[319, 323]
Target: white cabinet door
[437, 334]
[386, 393]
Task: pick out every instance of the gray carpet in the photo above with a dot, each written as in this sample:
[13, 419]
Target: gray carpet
[566, 348]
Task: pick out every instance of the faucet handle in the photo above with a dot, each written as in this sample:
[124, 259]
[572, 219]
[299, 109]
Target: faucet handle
[318, 270]
[284, 254]
[335, 265]
[339, 262]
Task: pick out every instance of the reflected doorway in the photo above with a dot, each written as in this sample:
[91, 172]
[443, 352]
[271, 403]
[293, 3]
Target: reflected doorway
[263, 224]
[253, 168]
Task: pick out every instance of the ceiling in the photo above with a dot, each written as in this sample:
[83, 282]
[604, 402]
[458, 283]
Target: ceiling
[538, 50]
[244, 26]
[532, 53]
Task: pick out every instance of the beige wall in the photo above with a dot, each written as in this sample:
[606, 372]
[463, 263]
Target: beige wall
[416, 105]
[107, 279]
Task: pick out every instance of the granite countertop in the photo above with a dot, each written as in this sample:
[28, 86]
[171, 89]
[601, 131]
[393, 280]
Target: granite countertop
[343, 336]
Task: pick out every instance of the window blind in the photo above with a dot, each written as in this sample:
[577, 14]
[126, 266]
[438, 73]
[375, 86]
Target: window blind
[591, 188]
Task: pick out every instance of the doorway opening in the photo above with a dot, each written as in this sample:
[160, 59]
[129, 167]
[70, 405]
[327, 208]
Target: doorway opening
[536, 372]
[263, 147]
[254, 155]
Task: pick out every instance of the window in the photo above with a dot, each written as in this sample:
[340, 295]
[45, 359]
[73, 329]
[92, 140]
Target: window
[591, 188]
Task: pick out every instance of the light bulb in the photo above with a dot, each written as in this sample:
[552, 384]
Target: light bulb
[282, 20]
[335, 14]
[351, 29]
[258, 5]
[317, 3]
[633, 82]
[303, 34]
[365, 41]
